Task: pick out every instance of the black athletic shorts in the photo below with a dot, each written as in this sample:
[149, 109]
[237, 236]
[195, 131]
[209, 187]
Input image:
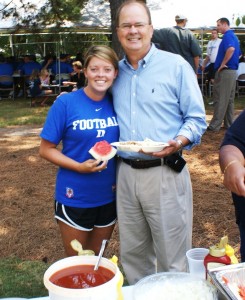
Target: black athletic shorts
[86, 218]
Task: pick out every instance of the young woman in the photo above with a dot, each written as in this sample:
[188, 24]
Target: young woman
[85, 188]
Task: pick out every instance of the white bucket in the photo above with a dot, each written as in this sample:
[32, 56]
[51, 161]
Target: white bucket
[106, 291]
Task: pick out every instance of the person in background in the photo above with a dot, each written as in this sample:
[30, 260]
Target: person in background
[212, 51]
[156, 96]
[44, 77]
[232, 164]
[36, 89]
[29, 65]
[241, 66]
[61, 66]
[179, 40]
[77, 77]
[48, 62]
[85, 206]
[6, 68]
[226, 65]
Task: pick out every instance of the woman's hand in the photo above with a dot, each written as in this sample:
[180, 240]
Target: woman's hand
[92, 165]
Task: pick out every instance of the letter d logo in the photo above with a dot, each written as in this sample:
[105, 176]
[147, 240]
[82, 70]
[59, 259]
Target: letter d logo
[100, 133]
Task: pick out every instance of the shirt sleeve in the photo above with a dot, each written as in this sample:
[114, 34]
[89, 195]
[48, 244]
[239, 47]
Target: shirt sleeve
[55, 124]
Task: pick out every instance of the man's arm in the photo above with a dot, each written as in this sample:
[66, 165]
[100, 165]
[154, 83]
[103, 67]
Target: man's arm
[228, 54]
[196, 63]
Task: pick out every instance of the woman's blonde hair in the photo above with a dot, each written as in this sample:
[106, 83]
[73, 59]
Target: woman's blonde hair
[103, 52]
[43, 72]
[77, 64]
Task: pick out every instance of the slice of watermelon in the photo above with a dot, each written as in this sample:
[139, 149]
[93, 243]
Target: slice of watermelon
[103, 151]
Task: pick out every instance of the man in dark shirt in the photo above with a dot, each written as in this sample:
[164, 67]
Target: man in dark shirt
[179, 40]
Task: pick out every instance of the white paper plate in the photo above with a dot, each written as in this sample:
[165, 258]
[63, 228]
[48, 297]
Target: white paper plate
[136, 146]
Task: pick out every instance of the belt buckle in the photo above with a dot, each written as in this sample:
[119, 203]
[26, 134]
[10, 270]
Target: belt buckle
[135, 163]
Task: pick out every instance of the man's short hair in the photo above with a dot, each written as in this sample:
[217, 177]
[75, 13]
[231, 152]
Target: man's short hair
[224, 20]
[180, 17]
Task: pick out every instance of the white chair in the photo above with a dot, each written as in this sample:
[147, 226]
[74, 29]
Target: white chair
[8, 91]
[240, 84]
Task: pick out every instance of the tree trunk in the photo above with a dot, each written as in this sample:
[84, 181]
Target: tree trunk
[114, 4]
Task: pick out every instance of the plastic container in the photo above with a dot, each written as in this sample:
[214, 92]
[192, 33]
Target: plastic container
[217, 256]
[110, 290]
[173, 285]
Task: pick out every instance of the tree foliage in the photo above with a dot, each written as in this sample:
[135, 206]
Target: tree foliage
[50, 12]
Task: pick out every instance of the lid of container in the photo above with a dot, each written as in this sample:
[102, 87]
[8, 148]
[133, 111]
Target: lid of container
[216, 251]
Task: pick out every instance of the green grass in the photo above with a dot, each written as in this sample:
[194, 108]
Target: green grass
[19, 112]
[22, 278]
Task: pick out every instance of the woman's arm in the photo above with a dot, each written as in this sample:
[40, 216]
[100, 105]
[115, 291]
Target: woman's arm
[231, 162]
[50, 152]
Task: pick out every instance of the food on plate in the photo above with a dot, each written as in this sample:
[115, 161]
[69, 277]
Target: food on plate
[147, 146]
[103, 150]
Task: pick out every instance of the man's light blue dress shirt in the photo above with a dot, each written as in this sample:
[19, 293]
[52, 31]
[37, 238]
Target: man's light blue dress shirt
[160, 100]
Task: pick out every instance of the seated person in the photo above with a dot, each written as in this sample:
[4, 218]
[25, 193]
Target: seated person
[61, 66]
[44, 77]
[5, 69]
[29, 65]
[35, 87]
[241, 69]
[77, 77]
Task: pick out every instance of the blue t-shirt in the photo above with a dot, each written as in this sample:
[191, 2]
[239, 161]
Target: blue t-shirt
[79, 122]
[229, 40]
[34, 86]
[64, 67]
[27, 68]
[6, 69]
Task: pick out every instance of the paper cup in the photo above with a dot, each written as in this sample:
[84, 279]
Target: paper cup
[195, 258]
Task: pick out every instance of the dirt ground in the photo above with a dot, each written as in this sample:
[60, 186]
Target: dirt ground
[29, 231]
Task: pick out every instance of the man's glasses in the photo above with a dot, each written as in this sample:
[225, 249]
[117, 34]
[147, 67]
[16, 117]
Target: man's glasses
[128, 26]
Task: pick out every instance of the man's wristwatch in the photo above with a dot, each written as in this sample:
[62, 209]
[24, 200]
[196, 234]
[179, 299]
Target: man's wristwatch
[180, 143]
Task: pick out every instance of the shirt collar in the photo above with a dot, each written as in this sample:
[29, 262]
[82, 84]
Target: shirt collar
[143, 62]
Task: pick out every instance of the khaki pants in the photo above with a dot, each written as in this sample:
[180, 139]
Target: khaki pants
[155, 214]
[223, 96]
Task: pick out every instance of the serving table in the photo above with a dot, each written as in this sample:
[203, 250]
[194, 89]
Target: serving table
[127, 295]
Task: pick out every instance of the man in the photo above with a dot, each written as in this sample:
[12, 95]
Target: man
[208, 63]
[212, 51]
[30, 64]
[179, 40]
[62, 66]
[156, 96]
[226, 65]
